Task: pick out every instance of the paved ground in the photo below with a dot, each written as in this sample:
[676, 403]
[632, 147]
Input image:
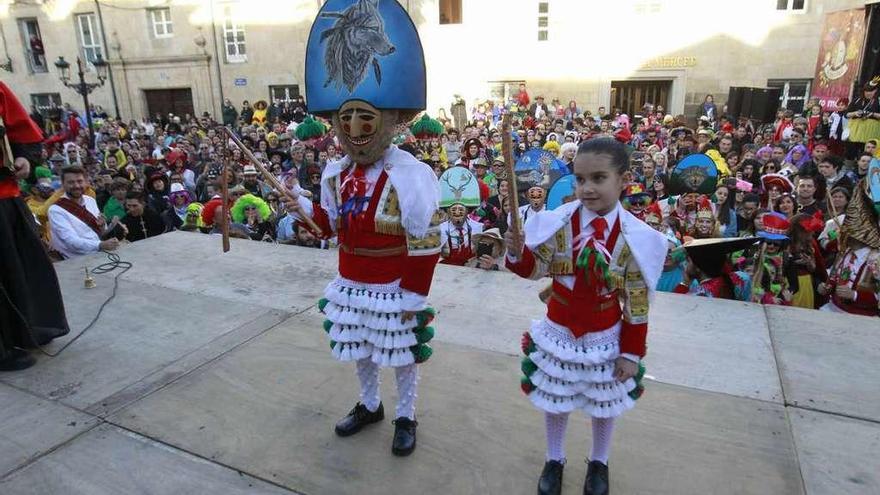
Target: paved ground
[209, 373]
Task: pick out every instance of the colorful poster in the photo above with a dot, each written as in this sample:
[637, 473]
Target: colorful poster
[839, 53]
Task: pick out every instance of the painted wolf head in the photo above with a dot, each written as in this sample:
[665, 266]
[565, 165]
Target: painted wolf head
[353, 44]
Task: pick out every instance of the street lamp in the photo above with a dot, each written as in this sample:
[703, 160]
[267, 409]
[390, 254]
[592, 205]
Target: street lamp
[82, 87]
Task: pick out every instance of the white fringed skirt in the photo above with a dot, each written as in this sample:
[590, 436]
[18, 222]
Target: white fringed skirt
[364, 321]
[564, 373]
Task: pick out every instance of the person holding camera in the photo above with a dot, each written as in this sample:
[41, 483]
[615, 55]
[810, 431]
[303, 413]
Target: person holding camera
[490, 251]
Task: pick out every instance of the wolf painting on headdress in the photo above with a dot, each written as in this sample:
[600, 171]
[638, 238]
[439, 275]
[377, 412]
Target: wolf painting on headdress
[353, 43]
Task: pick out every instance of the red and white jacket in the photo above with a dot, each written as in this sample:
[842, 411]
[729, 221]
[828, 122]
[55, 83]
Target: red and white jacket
[636, 253]
[386, 218]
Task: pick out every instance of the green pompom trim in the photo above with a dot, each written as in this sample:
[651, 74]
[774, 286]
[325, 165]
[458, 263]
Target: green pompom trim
[424, 335]
[528, 366]
[421, 352]
[426, 316]
[323, 304]
[640, 374]
[327, 325]
[426, 127]
[309, 129]
[637, 392]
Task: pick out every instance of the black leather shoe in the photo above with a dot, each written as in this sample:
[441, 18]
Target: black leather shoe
[597, 479]
[359, 417]
[17, 360]
[404, 436]
[550, 482]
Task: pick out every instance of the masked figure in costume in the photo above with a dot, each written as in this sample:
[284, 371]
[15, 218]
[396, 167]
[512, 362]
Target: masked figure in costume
[31, 309]
[854, 282]
[459, 191]
[365, 70]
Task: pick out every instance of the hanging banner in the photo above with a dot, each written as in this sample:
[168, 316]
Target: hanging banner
[839, 53]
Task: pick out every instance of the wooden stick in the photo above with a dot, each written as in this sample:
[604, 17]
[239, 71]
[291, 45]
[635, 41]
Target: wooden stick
[271, 179]
[224, 193]
[512, 190]
[833, 212]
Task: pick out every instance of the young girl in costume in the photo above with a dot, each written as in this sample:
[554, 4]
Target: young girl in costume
[585, 353]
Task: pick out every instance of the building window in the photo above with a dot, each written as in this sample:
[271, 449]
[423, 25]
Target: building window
[543, 20]
[284, 92]
[32, 41]
[43, 102]
[233, 39]
[793, 94]
[792, 5]
[89, 37]
[450, 11]
[161, 21]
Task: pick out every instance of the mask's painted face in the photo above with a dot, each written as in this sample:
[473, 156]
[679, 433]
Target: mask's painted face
[365, 130]
[457, 213]
[536, 197]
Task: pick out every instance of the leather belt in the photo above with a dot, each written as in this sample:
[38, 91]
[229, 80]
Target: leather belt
[374, 253]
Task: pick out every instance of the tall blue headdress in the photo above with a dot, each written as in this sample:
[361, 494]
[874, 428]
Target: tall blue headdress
[364, 50]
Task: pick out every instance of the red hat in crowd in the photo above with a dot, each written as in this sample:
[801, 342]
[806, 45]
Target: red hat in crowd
[623, 135]
[174, 156]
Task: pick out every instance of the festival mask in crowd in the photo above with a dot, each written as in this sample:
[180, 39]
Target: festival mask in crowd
[457, 214]
[537, 196]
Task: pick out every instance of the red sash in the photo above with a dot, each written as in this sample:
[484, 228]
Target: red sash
[80, 212]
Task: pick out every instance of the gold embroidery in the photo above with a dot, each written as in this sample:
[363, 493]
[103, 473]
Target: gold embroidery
[562, 267]
[561, 243]
[387, 219]
[543, 253]
[638, 302]
[431, 241]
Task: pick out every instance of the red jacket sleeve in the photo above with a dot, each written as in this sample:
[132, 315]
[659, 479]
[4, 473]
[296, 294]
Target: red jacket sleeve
[19, 126]
[419, 273]
[525, 266]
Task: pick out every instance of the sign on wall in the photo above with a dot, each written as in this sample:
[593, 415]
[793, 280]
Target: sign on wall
[839, 53]
[241, 81]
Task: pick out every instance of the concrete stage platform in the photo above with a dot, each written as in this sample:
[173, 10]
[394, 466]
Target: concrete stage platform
[210, 373]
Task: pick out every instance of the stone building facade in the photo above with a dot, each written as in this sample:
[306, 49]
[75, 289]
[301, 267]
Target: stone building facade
[187, 55]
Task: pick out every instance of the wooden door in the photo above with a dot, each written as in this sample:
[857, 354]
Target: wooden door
[631, 96]
[164, 101]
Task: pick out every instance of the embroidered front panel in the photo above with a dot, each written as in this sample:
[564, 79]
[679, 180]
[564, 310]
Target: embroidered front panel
[561, 261]
[388, 212]
[430, 244]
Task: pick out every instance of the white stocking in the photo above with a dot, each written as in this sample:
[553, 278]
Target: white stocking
[555, 425]
[407, 386]
[368, 374]
[603, 428]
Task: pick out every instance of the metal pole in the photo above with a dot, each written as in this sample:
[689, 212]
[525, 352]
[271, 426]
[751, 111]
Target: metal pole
[83, 89]
[109, 67]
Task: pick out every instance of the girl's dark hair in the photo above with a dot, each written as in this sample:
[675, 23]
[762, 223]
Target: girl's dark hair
[726, 209]
[607, 146]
